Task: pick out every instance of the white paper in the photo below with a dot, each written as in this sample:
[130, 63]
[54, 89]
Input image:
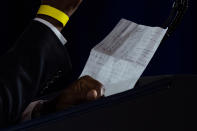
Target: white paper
[120, 59]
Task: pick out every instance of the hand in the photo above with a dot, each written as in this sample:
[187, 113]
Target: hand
[67, 6]
[83, 90]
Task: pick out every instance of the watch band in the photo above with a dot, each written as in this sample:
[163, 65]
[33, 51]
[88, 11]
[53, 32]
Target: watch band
[54, 13]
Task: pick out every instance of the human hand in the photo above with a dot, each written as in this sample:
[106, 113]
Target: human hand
[83, 90]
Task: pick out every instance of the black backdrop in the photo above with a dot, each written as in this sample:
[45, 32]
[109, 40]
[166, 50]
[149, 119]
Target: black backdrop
[96, 18]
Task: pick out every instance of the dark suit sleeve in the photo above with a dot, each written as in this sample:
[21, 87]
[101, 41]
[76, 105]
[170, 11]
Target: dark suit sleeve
[35, 57]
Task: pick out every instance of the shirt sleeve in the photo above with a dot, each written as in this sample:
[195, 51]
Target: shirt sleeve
[54, 29]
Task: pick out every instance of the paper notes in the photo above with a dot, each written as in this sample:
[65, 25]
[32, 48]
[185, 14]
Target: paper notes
[120, 59]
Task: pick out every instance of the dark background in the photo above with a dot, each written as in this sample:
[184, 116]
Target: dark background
[96, 18]
[93, 21]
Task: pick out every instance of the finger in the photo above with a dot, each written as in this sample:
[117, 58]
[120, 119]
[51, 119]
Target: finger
[92, 95]
[88, 83]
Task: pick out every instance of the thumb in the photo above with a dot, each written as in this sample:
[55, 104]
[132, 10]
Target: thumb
[92, 95]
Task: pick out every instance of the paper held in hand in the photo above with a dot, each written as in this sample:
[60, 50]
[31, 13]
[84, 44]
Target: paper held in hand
[120, 59]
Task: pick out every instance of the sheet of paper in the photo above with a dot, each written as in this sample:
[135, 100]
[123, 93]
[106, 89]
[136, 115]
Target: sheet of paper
[120, 59]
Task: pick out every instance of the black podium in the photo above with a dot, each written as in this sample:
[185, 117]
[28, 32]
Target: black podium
[161, 103]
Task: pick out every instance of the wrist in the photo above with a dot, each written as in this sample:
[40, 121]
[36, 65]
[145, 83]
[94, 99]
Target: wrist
[51, 20]
[44, 108]
[37, 110]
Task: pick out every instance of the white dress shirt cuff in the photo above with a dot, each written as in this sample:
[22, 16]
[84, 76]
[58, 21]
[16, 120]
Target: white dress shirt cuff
[54, 29]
